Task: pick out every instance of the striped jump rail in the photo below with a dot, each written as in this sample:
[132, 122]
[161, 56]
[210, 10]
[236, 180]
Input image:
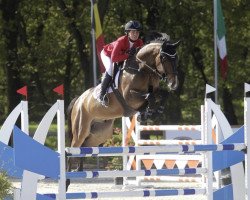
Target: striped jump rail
[120, 151]
[169, 127]
[168, 142]
[142, 193]
[172, 179]
[134, 173]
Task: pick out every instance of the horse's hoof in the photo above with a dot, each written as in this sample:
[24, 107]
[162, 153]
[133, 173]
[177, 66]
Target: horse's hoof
[67, 184]
[118, 181]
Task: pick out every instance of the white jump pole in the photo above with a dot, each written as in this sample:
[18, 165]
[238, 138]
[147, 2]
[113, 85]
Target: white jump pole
[203, 142]
[61, 150]
[247, 139]
[7, 127]
[208, 155]
[124, 137]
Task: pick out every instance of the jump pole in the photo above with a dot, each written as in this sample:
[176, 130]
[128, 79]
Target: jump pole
[61, 150]
[208, 155]
[247, 138]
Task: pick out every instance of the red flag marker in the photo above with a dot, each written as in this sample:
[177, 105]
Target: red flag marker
[23, 91]
[59, 89]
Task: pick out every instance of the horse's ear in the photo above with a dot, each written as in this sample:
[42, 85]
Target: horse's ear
[165, 42]
[176, 44]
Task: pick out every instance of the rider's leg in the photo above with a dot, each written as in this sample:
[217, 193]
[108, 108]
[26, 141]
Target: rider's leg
[104, 86]
[108, 64]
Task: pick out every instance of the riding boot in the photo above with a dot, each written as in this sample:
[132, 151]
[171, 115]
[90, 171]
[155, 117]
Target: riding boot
[104, 86]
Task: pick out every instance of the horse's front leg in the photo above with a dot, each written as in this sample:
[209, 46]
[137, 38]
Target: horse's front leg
[147, 107]
[156, 106]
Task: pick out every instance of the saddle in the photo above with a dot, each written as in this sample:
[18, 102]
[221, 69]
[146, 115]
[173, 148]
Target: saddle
[119, 68]
[130, 65]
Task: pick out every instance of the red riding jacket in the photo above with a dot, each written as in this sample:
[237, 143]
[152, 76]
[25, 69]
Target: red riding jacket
[118, 50]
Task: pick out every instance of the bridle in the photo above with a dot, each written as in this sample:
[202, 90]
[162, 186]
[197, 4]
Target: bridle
[154, 70]
[164, 56]
[172, 58]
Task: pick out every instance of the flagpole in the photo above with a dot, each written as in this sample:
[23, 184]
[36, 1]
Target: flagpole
[93, 42]
[215, 52]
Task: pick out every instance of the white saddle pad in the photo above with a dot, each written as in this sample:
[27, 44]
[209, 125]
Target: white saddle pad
[97, 90]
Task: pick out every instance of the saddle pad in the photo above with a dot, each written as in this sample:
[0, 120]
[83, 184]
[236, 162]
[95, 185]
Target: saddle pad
[97, 89]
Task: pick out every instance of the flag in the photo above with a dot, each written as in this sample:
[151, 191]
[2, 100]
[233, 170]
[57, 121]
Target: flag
[96, 25]
[23, 91]
[209, 89]
[247, 87]
[221, 41]
[59, 89]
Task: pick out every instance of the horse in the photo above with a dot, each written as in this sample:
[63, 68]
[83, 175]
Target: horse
[91, 124]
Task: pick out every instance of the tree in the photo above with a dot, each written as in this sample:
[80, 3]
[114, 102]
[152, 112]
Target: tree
[10, 23]
[47, 43]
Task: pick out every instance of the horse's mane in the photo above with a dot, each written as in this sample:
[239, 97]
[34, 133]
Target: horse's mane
[152, 39]
[155, 36]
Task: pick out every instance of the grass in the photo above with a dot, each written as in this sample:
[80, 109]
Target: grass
[51, 138]
[52, 128]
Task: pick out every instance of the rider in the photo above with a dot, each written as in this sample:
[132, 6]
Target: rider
[119, 51]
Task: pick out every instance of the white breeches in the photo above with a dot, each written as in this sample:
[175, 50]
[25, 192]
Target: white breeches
[108, 64]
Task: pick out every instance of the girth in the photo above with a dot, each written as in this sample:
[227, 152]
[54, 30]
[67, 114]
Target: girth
[128, 111]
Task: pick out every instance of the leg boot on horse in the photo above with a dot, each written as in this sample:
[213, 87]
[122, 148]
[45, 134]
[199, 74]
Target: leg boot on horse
[104, 86]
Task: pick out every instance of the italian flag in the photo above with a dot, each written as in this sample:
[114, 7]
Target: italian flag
[221, 41]
[98, 36]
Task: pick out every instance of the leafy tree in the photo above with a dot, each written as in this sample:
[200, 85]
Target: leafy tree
[47, 43]
[11, 64]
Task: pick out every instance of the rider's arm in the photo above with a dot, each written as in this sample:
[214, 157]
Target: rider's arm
[119, 52]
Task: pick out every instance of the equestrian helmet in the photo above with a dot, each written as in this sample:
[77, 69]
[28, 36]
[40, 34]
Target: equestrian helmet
[133, 25]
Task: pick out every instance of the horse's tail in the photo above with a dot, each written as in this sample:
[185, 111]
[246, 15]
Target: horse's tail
[69, 111]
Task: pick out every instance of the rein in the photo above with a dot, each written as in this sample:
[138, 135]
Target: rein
[149, 67]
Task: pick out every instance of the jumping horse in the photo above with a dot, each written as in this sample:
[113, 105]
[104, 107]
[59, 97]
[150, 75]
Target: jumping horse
[91, 124]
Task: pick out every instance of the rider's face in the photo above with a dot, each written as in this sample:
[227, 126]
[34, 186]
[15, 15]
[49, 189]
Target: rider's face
[133, 34]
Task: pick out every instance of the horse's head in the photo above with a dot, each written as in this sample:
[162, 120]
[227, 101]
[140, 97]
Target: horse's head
[168, 63]
[160, 58]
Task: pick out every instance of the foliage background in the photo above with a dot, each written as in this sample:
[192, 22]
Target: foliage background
[45, 43]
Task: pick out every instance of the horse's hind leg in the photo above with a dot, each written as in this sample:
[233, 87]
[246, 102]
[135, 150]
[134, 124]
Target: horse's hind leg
[68, 165]
[79, 137]
[80, 131]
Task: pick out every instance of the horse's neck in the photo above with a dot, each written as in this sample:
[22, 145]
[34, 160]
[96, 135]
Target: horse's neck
[140, 81]
[146, 58]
